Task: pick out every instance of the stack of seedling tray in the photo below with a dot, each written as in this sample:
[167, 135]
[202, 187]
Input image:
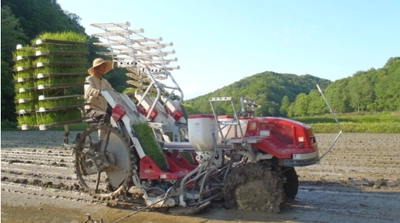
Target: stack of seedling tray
[26, 95]
[55, 79]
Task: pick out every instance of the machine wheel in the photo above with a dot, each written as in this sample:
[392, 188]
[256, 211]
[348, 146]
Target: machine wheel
[291, 185]
[253, 187]
[103, 166]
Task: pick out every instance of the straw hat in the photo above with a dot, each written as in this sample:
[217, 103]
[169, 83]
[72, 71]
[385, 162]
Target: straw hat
[98, 62]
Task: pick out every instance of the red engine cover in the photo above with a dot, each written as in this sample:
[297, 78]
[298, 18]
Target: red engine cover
[281, 137]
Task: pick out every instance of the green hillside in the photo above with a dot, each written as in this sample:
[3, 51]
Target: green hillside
[268, 89]
[375, 90]
[372, 91]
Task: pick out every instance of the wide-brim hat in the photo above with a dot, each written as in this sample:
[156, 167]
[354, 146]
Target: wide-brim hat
[99, 61]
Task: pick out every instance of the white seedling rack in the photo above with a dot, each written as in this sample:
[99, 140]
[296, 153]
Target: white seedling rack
[149, 66]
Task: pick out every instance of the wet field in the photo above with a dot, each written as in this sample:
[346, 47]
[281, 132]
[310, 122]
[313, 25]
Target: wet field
[359, 181]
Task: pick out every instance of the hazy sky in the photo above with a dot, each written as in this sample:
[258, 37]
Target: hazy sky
[218, 42]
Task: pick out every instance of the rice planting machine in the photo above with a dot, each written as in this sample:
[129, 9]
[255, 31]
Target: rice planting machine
[239, 159]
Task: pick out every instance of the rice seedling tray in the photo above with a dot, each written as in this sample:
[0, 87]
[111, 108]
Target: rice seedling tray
[62, 79]
[43, 127]
[41, 75]
[57, 70]
[24, 79]
[150, 145]
[24, 90]
[68, 114]
[23, 74]
[25, 100]
[39, 42]
[67, 100]
[61, 53]
[27, 105]
[59, 108]
[26, 122]
[24, 85]
[22, 68]
[26, 111]
[22, 57]
[44, 64]
[23, 93]
[58, 86]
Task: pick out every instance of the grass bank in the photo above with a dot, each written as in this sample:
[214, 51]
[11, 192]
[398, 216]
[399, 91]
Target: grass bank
[362, 123]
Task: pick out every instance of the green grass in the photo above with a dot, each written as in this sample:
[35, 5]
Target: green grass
[368, 123]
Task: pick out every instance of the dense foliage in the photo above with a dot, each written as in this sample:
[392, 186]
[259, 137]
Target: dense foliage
[375, 90]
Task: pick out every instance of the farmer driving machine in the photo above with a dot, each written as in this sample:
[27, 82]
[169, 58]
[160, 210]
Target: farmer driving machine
[243, 160]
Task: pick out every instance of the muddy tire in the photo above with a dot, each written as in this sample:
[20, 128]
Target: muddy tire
[291, 186]
[253, 187]
[112, 154]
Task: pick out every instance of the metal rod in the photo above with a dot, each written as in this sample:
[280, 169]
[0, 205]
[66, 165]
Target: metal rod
[337, 121]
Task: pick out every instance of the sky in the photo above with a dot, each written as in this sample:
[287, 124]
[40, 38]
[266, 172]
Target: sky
[219, 42]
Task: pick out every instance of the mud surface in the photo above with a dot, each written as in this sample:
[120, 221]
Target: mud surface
[359, 181]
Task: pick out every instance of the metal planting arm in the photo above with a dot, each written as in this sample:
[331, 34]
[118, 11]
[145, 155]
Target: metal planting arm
[148, 57]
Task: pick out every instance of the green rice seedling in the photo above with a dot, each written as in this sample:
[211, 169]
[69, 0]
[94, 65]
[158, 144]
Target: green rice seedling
[31, 94]
[58, 92]
[60, 59]
[66, 35]
[25, 84]
[27, 74]
[27, 119]
[54, 117]
[61, 101]
[48, 118]
[60, 80]
[60, 70]
[23, 57]
[26, 51]
[63, 48]
[27, 105]
[62, 41]
[23, 63]
[149, 144]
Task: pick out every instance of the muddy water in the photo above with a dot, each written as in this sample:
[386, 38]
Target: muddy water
[314, 204]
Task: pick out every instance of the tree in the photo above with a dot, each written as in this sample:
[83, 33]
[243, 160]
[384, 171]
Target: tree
[11, 35]
[338, 96]
[316, 104]
[301, 105]
[361, 91]
[388, 89]
[285, 105]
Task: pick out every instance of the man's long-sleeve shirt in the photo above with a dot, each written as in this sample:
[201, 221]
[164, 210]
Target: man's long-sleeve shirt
[93, 86]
